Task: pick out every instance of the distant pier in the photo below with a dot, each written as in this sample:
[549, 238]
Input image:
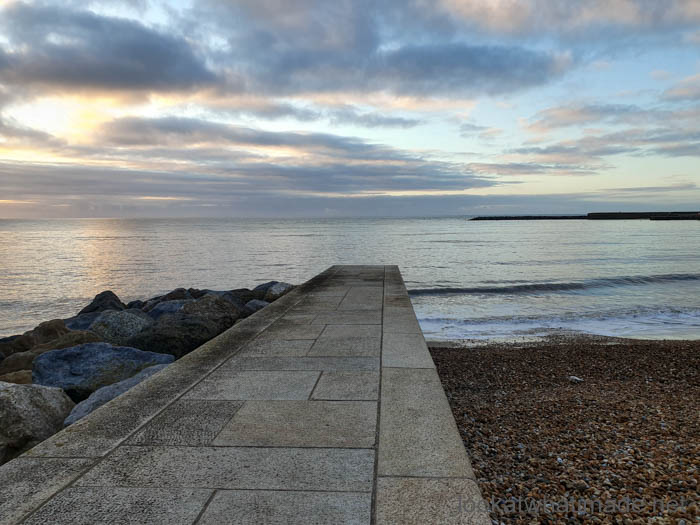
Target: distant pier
[652, 215]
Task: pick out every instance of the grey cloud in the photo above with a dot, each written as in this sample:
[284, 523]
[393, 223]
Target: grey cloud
[531, 168]
[346, 114]
[632, 141]
[582, 114]
[61, 48]
[683, 186]
[373, 119]
[136, 131]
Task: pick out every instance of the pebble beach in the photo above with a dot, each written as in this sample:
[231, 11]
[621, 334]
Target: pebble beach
[580, 429]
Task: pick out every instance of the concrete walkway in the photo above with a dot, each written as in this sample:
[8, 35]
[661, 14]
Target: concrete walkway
[325, 407]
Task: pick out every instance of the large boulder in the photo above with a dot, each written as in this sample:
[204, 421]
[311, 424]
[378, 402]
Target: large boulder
[196, 293]
[82, 369]
[175, 334]
[2, 356]
[102, 395]
[137, 303]
[256, 304]
[276, 291]
[20, 377]
[106, 300]
[45, 332]
[117, 327]
[9, 338]
[29, 414]
[82, 321]
[216, 309]
[167, 307]
[24, 360]
[177, 294]
[260, 290]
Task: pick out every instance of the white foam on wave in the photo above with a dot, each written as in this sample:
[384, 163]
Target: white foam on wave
[668, 323]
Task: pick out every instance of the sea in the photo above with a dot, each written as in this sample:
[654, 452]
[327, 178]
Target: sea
[491, 280]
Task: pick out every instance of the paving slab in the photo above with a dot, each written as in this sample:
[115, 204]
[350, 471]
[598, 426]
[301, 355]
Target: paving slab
[255, 384]
[289, 330]
[347, 385]
[147, 506]
[327, 469]
[348, 340]
[349, 317]
[265, 346]
[245, 507]
[417, 434]
[302, 424]
[405, 351]
[26, 483]
[401, 320]
[302, 363]
[189, 422]
[362, 298]
[409, 501]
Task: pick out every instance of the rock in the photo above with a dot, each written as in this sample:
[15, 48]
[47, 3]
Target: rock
[17, 362]
[277, 290]
[167, 307]
[81, 322]
[216, 309]
[196, 293]
[175, 334]
[116, 327]
[261, 289]
[106, 300]
[176, 294]
[82, 369]
[29, 414]
[150, 303]
[102, 395]
[2, 356]
[256, 304]
[45, 332]
[134, 304]
[20, 377]
[243, 294]
[72, 338]
[574, 379]
[9, 338]
[23, 360]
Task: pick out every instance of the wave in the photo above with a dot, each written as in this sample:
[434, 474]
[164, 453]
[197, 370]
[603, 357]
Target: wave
[559, 286]
[643, 322]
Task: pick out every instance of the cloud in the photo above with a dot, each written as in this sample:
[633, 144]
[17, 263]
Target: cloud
[57, 48]
[686, 89]
[573, 19]
[586, 114]
[666, 142]
[271, 109]
[681, 186]
[251, 160]
[362, 46]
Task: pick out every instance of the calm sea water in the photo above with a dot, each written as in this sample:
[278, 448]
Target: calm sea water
[467, 279]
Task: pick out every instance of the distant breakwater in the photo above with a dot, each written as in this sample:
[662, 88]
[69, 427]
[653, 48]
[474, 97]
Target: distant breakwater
[653, 216]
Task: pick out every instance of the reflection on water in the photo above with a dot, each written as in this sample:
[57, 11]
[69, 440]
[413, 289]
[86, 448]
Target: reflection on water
[52, 268]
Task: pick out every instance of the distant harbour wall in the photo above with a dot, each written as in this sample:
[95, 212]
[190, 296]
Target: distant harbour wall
[653, 216]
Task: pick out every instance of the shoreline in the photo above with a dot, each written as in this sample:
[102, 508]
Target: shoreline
[578, 417]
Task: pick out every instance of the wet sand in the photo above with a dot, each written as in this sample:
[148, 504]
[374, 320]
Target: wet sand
[620, 446]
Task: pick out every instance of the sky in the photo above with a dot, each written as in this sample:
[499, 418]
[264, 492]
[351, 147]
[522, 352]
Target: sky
[304, 108]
